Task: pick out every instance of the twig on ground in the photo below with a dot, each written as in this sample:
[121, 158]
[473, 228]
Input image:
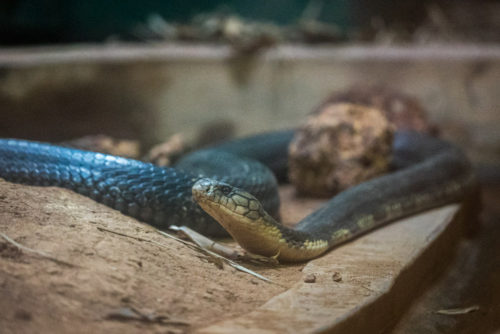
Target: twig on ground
[131, 236]
[122, 234]
[458, 311]
[192, 246]
[206, 243]
[228, 252]
[34, 251]
[132, 314]
[217, 256]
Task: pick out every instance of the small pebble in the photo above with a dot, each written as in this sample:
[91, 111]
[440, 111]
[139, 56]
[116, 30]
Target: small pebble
[54, 272]
[310, 278]
[336, 277]
[23, 315]
[125, 299]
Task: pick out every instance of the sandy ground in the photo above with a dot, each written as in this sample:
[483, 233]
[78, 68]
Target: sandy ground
[110, 278]
[117, 284]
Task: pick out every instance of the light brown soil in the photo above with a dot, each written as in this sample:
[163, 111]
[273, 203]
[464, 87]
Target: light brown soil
[177, 287]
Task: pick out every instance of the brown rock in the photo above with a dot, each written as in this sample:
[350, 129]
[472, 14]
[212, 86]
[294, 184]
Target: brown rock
[341, 146]
[164, 153]
[337, 277]
[107, 276]
[310, 278]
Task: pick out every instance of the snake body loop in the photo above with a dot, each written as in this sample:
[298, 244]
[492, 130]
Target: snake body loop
[234, 183]
[155, 195]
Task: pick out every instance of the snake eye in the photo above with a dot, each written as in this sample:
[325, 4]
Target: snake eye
[225, 190]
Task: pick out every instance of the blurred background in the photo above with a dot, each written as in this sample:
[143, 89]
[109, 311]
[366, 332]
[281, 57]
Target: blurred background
[209, 70]
[57, 21]
[145, 70]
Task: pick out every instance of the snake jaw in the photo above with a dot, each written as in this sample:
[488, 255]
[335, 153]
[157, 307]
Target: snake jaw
[240, 213]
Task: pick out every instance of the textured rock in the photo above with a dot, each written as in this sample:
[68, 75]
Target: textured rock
[116, 277]
[340, 146]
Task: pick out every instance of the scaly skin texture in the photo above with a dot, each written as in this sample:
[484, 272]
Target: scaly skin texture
[444, 176]
[158, 196]
[430, 173]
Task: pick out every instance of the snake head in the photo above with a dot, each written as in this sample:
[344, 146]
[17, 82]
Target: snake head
[239, 212]
[226, 198]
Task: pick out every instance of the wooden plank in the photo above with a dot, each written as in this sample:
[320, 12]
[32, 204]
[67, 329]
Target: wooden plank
[381, 273]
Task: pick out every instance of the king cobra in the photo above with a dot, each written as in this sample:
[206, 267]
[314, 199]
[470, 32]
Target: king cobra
[236, 184]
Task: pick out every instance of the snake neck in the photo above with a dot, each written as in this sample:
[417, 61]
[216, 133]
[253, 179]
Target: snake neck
[266, 237]
[443, 179]
[251, 226]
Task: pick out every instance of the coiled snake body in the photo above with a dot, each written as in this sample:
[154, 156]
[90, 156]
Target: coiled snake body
[227, 180]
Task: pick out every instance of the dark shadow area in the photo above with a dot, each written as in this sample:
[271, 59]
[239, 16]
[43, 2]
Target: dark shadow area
[473, 279]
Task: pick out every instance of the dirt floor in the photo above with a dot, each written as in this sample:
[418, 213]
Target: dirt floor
[105, 282]
[112, 283]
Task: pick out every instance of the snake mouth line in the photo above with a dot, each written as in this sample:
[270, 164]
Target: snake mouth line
[240, 214]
